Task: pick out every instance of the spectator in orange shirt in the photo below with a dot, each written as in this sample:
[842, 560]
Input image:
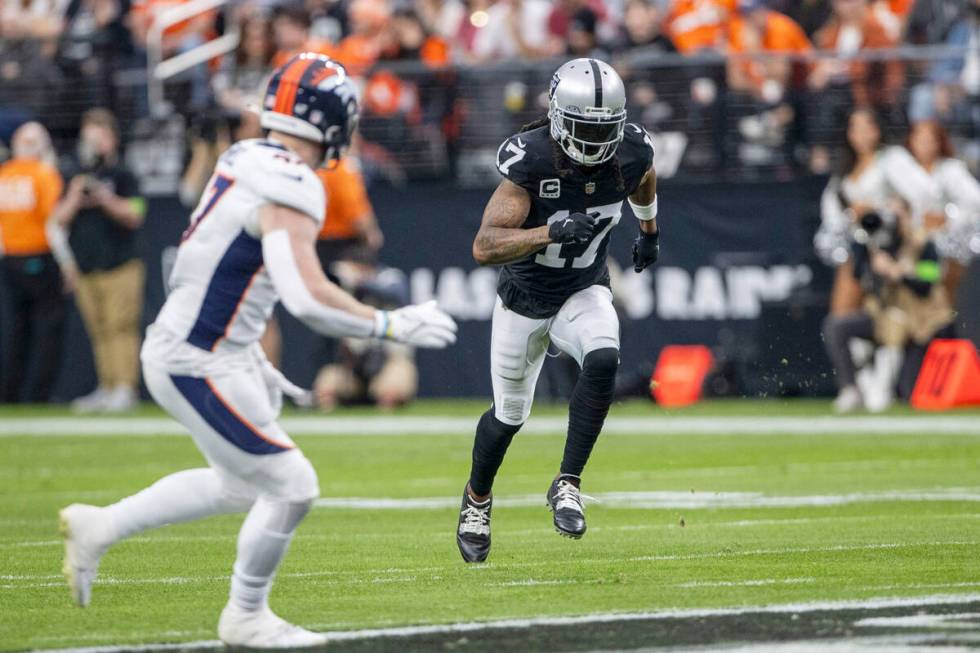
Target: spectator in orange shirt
[699, 24]
[764, 82]
[371, 35]
[757, 30]
[841, 83]
[851, 29]
[33, 283]
[350, 224]
[892, 15]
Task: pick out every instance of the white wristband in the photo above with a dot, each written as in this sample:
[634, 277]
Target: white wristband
[644, 213]
[382, 325]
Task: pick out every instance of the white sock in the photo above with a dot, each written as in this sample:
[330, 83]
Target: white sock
[262, 543]
[181, 497]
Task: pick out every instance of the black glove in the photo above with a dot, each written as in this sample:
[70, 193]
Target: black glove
[576, 228]
[646, 249]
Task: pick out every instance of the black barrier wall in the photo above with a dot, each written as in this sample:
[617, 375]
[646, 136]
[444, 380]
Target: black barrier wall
[737, 273]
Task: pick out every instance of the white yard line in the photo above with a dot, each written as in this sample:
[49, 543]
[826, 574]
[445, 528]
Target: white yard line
[757, 582]
[596, 618]
[669, 500]
[801, 549]
[533, 582]
[963, 621]
[463, 426]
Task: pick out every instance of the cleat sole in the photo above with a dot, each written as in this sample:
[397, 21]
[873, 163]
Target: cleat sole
[571, 536]
[66, 569]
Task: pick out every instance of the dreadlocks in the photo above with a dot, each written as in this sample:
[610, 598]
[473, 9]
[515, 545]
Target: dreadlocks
[561, 161]
[534, 124]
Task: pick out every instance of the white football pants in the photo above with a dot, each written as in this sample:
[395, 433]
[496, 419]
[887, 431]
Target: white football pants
[587, 321]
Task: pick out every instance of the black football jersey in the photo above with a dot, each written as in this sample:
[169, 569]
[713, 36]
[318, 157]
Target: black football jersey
[538, 285]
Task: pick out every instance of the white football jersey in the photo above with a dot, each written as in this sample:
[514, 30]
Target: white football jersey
[221, 294]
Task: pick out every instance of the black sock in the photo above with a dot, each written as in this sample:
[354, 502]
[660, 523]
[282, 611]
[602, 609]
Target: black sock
[492, 439]
[588, 407]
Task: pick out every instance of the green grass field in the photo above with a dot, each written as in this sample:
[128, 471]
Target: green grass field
[714, 520]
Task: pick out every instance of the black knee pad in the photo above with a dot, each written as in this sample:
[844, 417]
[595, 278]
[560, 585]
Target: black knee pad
[601, 363]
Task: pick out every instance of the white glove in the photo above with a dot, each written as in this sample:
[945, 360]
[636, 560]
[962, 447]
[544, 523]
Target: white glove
[420, 325]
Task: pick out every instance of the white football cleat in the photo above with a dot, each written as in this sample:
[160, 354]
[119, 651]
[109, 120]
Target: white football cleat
[93, 402]
[263, 629]
[86, 533]
[119, 400]
[848, 400]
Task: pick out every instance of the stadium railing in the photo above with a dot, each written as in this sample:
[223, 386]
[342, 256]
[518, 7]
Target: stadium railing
[161, 68]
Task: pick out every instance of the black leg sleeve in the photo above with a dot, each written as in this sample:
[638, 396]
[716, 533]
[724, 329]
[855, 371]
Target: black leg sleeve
[492, 439]
[837, 333]
[588, 407]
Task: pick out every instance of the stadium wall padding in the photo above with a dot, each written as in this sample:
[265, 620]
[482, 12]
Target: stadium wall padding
[737, 273]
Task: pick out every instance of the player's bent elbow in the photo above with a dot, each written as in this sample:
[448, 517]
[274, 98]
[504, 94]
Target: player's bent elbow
[480, 255]
[302, 310]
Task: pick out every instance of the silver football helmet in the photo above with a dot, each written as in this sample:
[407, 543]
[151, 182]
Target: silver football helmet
[587, 108]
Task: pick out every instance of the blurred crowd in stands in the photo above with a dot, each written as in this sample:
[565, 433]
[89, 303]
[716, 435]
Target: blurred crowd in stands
[789, 86]
[765, 81]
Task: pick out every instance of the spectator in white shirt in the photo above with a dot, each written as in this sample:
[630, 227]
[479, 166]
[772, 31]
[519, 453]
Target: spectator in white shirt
[514, 29]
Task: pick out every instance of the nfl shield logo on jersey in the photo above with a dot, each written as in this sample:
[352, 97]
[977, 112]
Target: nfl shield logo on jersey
[550, 188]
[589, 187]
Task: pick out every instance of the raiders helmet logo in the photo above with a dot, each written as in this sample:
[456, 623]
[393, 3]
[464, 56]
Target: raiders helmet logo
[589, 187]
[550, 188]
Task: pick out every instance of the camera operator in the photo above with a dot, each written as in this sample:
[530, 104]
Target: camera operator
[102, 210]
[905, 306]
[372, 372]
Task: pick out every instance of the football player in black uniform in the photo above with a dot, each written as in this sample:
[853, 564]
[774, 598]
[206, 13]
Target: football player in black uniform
[548, 224]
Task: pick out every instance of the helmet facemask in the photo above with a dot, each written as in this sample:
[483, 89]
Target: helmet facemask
[588, 138]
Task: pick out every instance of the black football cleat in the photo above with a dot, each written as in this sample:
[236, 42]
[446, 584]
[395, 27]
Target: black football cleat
[473, 531]
[565, 502]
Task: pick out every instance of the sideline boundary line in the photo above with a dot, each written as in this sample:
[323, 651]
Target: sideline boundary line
[597, 618]
[327, 426]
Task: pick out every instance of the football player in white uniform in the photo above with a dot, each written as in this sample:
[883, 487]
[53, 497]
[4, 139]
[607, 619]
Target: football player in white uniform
[250, 244]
